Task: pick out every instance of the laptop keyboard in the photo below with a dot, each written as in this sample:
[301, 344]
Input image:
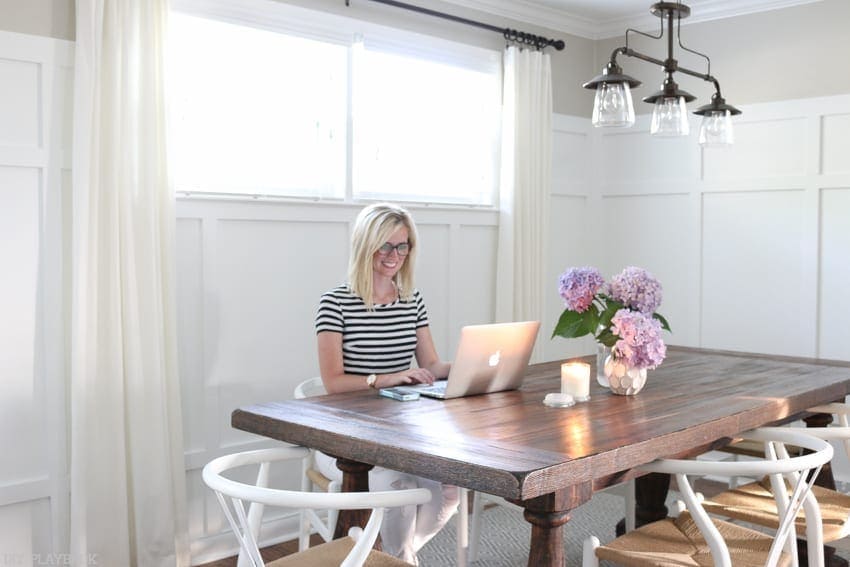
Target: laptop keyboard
[435, 388]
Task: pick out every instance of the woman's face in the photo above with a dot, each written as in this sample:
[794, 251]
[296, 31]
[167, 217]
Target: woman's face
[388, 265]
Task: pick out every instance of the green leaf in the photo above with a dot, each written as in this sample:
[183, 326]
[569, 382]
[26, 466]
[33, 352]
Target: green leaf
[591, 321]
[572, 324]
[664, 324]
[611, 308]
[607, 338]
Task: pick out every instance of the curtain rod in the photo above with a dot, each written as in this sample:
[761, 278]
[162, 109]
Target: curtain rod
[511, 35]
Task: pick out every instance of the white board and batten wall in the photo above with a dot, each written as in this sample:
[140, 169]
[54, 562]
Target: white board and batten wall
[750, 244]
[35, 117]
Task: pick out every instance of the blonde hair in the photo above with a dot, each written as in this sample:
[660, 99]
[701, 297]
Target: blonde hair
[373, 227]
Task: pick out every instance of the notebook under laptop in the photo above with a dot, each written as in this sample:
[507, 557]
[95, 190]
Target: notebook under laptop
[490, 358]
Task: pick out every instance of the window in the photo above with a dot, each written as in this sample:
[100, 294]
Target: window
[274, 100]
[251, 115]
[424, 130]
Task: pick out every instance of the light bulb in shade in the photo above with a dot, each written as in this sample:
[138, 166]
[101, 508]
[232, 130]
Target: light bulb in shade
[716, 129]
[613, 106]
[670, 117]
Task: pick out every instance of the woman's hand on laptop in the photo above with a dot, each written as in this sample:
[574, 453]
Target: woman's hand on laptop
[417, 376]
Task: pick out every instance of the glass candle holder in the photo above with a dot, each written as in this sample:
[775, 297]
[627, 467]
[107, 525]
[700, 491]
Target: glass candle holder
[575, 380]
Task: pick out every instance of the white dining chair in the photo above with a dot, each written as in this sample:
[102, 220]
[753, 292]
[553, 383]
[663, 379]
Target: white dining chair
[753, 502]
[467, 539]
[325, 523]
[694, 538]
[355, 550]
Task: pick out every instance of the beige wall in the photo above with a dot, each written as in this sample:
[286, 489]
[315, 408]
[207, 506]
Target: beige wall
[51, 18]
[778, 55]
[787, 54]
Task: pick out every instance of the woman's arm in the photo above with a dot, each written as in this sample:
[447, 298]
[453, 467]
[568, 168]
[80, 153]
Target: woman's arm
[426, 354]
[336, 380]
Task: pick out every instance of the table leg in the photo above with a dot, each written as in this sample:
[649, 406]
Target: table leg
[355, 478]
[650, 496]
[547, 514]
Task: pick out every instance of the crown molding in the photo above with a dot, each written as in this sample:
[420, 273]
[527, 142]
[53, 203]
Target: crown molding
[538, 14]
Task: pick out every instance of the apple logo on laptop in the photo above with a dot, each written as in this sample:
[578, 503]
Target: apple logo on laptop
[494, 358]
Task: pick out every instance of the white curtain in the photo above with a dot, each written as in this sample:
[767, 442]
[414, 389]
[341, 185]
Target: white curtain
[128, 501]
[524, 187]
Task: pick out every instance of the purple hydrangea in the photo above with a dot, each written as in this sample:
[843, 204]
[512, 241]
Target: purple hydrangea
[636, 289]
[578, 286]
[640, 344]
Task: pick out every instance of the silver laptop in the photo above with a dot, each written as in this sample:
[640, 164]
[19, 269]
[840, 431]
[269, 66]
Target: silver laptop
[490, 358]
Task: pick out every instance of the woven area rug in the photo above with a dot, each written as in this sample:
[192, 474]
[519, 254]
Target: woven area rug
[505, 535]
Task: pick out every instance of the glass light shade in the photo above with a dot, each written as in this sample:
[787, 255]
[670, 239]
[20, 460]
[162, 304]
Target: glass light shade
[670, 117]
[612, 107]
[716, 129]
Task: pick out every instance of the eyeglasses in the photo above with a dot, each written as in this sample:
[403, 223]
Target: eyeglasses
[403, 249]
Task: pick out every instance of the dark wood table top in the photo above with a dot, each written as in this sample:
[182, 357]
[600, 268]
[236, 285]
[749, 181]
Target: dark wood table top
[511, 445]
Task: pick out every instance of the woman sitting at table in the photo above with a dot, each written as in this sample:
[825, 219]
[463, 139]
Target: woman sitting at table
[368, 331]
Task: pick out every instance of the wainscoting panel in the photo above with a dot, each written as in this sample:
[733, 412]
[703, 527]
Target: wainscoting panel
[20, 108]
[21, 424]
[33, 295]
[573, 242]
[190, 335]
[834, 308]
[656, 232]
[571, 160]
[471, 276]
[752, 280]
[638, 163]
[434, 279]
[774, 148]
[836, 140]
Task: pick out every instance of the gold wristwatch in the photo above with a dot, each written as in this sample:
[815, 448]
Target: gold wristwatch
[371, 379]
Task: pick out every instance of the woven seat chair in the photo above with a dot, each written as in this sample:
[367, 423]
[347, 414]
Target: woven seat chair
[695, 539]
[351, 551]
[754, 503]
[312, 480]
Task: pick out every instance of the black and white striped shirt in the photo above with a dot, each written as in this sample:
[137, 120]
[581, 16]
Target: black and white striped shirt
[380, 341]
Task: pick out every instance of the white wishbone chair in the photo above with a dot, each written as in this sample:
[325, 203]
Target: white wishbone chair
[694, 538]
[352, 551]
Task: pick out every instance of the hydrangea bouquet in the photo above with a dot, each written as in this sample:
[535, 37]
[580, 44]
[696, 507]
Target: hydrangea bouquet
[620, 315]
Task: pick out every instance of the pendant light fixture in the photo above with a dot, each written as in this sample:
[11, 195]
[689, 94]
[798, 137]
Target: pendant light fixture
[613, 106]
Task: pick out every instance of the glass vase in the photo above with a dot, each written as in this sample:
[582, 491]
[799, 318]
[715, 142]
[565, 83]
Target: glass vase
[602, 353]
[623, 379]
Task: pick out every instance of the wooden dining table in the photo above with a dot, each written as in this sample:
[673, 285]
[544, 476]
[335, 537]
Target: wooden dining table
[551, 460]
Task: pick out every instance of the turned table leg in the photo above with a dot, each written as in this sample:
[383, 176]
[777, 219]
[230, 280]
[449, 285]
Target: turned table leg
[650, 496]
[355, 478]
[547, 514]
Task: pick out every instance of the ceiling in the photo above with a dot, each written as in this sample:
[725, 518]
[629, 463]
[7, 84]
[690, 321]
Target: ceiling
[596, 19]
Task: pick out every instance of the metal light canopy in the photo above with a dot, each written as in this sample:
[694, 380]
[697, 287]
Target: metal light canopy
[613, 106]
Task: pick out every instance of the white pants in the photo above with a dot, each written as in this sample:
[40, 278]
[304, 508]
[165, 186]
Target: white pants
[405, 529]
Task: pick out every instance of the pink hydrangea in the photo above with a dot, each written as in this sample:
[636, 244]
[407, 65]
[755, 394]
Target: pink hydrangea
[640, 344]
[636, 289]
[578, 287]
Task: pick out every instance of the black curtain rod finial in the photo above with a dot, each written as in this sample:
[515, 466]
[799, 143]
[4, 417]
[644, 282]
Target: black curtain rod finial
[525, 38]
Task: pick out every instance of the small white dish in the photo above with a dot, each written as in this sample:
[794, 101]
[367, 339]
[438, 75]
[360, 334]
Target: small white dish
[559, 400]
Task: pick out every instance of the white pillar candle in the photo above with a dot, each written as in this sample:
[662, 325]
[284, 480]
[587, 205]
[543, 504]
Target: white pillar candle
[575, 380]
